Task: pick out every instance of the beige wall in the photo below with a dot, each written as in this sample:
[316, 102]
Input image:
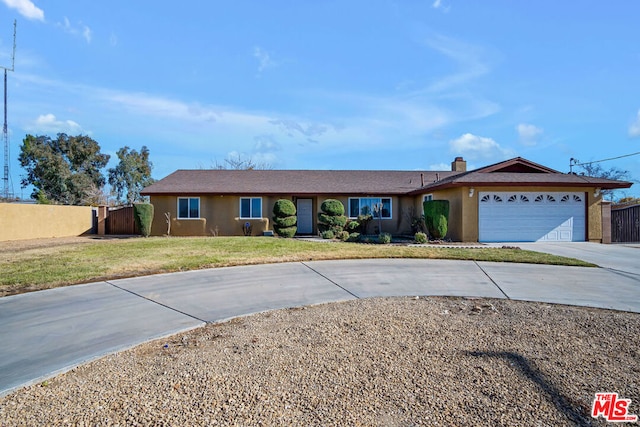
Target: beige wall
[22, 221]
[463, 213]
[219, 215]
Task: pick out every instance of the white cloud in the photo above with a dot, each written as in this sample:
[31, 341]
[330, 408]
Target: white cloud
[264, 59]
[634, 129]
[82, 30]
[26, 8]
[437, 4]
[471, 60]
[48, 123]
[476, 147]
[529, 134]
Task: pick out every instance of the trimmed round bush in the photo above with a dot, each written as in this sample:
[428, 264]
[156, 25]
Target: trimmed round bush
[332, 216]
[332, 221]
[420, 237]
[287, 232]
[285, 220]
[332, 207]
[284, 208]
[344, 236]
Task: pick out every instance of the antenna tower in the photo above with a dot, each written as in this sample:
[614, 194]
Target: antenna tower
[7, 192]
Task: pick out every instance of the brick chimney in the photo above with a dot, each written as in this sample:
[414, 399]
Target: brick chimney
[459, 165]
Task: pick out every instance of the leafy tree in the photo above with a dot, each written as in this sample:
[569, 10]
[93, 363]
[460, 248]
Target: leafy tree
[62, 170]
[131, 175]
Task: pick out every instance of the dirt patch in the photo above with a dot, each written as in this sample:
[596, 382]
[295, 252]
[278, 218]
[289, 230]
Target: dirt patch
[29, 244]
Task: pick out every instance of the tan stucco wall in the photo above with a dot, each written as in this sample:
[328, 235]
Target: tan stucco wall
[463, 214]
[219, 215]
[21, 221]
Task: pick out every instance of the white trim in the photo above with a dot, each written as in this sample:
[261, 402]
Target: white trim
[250, 208]
[427, 197]
[376, 197]
[188, 208]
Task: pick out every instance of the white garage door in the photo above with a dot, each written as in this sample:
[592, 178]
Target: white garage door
[531, 217]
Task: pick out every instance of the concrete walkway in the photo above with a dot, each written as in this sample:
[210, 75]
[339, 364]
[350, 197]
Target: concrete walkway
[48, 332]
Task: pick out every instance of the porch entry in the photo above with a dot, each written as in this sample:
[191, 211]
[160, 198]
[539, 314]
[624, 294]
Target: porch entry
[305, 216]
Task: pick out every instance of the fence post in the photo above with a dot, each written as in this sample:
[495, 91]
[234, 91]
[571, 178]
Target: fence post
[606, 222]
[102, 219]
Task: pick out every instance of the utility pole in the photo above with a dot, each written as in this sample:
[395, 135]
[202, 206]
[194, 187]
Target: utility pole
[7, 189]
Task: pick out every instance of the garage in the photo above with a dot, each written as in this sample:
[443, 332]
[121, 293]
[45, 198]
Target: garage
[531, 217]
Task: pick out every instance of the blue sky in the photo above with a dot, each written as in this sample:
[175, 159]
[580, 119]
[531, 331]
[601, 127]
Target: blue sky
[379, 84]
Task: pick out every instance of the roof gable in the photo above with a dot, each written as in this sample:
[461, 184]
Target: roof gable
[516, 165]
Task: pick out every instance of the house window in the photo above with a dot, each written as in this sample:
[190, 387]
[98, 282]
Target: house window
[188, 207]
[370, 206]
[251, 207]
[427, 198]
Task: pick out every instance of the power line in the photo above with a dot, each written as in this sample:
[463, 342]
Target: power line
[574, 162]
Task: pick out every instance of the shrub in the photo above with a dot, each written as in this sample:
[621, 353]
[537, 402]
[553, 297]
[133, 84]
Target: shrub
[287, 232]
[420, 237]
[384, 238]
[332, 221]
[285, 220]
[364, 221]
[143, 216]
[332, 216]
[344, 236]
[332, 207]
[328, 234]
[284, 208]
[352, 226]
[354, 237]
[436, 217]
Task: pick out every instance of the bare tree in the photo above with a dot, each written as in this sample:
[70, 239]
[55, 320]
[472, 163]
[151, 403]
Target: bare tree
[238, 162]
[597, 171]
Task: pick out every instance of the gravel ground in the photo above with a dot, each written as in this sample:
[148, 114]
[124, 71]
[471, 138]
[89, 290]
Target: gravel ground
[387, 362]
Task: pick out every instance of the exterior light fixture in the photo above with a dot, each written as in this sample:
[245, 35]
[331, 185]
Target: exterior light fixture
[597, 192]
[471, 191]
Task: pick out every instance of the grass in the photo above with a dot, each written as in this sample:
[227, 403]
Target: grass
[55, 265]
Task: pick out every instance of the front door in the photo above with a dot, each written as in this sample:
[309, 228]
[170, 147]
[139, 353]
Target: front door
[305, 216]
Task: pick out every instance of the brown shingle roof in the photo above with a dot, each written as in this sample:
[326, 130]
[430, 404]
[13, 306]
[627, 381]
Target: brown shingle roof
[293, 182]
[512, 172]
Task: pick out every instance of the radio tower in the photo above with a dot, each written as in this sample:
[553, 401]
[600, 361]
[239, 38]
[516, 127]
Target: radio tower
[7, 192]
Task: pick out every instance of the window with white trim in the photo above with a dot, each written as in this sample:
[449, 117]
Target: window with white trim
[250, 207]
[427, 198]
[377, 207]
[188, 207]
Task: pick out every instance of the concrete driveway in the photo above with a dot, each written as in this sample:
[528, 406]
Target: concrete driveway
[48, 332]
[619, 257]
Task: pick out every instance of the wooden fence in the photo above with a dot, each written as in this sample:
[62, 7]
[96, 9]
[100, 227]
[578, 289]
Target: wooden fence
[625, 224]
[120, 221]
